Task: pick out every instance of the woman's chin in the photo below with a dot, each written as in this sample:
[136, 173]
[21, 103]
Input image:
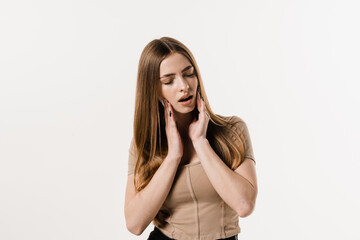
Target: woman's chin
[184, 110]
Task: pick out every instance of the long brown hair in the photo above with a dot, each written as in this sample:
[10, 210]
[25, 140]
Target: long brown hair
[149, 123]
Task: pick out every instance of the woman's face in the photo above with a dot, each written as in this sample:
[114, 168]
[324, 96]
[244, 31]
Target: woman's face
[178, 83]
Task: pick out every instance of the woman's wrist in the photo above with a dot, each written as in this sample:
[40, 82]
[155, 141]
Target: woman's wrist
[173, 159]
[198, 143]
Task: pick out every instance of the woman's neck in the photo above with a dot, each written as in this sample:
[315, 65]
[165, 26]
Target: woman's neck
[183, 121]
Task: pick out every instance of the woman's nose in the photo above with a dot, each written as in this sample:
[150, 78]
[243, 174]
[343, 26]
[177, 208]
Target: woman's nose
[184, 85]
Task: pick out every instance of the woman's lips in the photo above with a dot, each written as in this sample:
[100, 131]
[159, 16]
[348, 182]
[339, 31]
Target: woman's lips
[187, 102]
[184, 97]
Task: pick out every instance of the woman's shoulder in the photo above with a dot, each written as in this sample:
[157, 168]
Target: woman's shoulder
[234, 121]
[236, 124]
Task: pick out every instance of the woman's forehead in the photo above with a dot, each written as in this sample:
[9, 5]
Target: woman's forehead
[173, 64]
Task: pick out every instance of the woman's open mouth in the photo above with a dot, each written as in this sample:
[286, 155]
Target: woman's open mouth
[186, 101]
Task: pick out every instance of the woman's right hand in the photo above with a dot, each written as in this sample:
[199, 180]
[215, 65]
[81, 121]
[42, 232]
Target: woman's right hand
[175, 146]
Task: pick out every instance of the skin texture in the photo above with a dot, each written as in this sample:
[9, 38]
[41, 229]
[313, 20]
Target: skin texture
[187, 143]
[173, 87]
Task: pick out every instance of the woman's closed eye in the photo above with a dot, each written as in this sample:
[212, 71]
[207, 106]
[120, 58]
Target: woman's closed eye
[168, 82]
[190, 75]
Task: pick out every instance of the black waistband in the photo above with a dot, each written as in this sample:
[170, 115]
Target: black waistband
[156, 234]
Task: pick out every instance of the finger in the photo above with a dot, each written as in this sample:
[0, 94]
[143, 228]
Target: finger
[166, 111]
[206, 112]
[203, 111]
[200, 105]
[171, 113]
[198, 101]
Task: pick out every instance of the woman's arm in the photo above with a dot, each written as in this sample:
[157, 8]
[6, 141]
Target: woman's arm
[142, 207]
[237, 188]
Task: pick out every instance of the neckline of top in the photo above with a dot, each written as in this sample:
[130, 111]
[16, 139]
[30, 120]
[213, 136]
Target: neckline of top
[191, 164]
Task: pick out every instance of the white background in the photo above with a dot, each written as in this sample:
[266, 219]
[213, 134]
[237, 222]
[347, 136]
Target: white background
[68, 70]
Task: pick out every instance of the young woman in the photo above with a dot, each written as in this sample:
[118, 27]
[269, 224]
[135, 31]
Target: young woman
[191, 172]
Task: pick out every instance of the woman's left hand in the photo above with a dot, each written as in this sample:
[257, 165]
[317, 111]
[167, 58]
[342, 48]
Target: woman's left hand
[198, 127]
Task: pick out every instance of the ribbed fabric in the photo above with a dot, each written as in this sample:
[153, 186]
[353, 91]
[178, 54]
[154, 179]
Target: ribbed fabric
[196, 210]
[222, 225]
[196, 206]
[156, 234]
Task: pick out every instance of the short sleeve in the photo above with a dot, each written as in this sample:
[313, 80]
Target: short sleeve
[242, 127]
[132, 158]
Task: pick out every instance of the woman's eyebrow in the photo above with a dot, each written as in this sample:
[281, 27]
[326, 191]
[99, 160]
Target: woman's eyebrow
[170, 74]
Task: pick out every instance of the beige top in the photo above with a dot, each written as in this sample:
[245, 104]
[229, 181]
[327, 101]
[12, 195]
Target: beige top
[197, 210]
